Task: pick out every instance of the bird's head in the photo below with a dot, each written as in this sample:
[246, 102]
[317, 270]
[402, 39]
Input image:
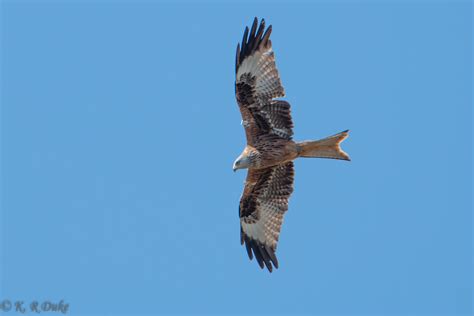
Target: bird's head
[242, 162]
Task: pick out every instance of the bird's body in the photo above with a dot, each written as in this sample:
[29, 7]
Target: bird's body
[270, 149]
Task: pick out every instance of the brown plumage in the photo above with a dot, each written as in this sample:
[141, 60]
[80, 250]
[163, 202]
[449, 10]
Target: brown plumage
[270, 149]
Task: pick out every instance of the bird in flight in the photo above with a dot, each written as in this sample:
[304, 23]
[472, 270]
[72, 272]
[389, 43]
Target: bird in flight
[270, 148]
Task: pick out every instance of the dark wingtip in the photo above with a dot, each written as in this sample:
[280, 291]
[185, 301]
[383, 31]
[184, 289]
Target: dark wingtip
[254, 27]
[248, 246]
[271, 254]
[244, 43]
[237, 57]
[259, 258]
[253, 244]
[252, 40]
[264, 255]
[266, 36]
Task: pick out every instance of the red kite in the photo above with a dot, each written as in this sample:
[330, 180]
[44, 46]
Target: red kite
[270, 149]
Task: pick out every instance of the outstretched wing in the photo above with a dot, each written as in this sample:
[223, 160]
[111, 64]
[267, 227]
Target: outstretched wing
[262, 206]
[257, 83]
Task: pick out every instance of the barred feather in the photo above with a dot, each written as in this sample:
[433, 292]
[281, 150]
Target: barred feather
[257, 84]
[262, 206]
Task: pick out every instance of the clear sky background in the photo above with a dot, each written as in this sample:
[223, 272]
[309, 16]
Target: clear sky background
[119, 128]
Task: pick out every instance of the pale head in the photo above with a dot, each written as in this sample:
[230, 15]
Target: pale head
[242, 162]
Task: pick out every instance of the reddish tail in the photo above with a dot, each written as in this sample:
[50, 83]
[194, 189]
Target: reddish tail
[324, 148]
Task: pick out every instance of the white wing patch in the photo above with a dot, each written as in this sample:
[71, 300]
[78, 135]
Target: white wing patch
[254, 231]
[250, 65]
[267, 229]
[261, 65]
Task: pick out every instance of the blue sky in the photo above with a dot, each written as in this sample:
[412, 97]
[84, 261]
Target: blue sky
[119, 128]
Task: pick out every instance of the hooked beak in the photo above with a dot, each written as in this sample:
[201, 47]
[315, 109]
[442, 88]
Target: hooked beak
[235, 169]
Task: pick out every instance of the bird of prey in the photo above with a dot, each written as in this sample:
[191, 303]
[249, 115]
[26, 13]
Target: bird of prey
[270, 148]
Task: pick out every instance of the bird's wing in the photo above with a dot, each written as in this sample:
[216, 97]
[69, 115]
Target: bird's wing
[257, 83]
[262, 206]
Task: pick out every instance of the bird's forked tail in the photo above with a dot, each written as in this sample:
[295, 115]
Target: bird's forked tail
[328, 147]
